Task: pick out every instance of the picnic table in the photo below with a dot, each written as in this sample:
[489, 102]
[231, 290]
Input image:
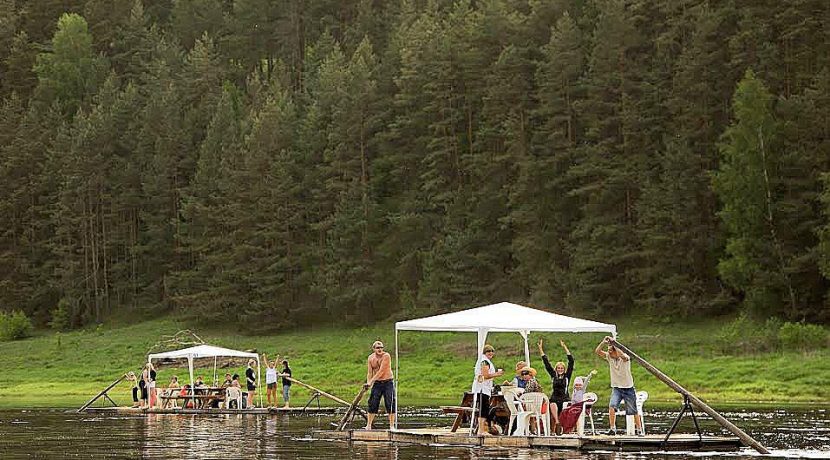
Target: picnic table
[202, 395]
[465, 409]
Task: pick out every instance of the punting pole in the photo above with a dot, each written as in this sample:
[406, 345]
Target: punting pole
[327, 395]
[745, 438]
[102, 393]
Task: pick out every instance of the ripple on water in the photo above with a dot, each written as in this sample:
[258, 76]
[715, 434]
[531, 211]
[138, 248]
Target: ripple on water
[789, 434]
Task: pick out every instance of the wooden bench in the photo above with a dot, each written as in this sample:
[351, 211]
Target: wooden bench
[194, 398]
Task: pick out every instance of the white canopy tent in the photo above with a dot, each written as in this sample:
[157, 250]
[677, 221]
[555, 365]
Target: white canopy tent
[500, 317]
[207, 351]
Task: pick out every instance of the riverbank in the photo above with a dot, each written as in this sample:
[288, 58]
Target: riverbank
[66, 369]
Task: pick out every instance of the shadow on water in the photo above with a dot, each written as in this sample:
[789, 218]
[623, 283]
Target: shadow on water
[56, 434]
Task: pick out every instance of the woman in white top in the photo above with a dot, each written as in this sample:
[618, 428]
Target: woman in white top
[271, 380]
[485, 371]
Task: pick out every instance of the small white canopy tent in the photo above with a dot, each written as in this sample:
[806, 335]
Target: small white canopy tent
[207, 351]
[500, 317]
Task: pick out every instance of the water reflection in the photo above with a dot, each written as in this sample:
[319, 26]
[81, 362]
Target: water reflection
[53, 434]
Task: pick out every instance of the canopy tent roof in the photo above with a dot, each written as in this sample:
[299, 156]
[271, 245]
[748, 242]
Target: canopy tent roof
[504, 317]
[202, 351]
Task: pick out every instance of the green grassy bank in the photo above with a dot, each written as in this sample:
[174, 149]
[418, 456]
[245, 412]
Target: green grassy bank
[64, 370]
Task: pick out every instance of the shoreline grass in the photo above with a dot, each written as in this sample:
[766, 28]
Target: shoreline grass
[64, 370]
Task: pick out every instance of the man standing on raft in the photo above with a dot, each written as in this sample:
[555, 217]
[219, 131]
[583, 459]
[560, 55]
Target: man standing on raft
[622, 386]
[379, 378]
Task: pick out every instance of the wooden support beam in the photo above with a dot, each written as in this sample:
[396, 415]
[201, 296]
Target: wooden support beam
[745, 438]
[102, 393]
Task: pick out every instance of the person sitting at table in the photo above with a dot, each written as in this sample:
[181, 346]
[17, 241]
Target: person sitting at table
[528, 375]
[170, 392]
[235, 381]
[517, 381]
[228, 381]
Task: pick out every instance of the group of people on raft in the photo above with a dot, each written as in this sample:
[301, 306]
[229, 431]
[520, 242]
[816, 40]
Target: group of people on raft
[379, 379]
[145, 394]
[562, 418]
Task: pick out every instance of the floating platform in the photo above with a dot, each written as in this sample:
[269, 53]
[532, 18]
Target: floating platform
[444, 437]
[213, 411]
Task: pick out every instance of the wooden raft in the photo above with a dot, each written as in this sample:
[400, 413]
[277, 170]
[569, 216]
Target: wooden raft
[210, 411]
[443, 436]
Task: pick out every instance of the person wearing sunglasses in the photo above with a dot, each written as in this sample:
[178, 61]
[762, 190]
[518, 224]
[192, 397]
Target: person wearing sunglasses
[379, 378]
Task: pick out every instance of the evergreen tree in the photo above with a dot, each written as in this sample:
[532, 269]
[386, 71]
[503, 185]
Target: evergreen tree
[746, 183]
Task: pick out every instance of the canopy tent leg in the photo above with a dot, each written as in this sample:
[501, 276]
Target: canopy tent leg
[259, 380]
[214, 370]
[524, 335]
[482, 338]
[190, 372]
[396, 380]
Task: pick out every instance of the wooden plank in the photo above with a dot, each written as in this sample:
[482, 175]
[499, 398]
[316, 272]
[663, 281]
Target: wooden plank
[556, 442]
[747, 439]
[370, 435]
[457, 439]
[505, 441]
[423, 438]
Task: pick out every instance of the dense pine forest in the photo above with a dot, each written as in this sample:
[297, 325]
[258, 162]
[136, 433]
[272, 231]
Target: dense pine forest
[275, 162]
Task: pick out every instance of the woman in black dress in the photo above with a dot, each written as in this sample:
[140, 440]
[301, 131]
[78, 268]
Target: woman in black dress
[560, 382]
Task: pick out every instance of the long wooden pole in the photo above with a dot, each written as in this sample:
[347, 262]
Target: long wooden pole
[747, 440]
[352, 408]
[103, 392]
[323, 393]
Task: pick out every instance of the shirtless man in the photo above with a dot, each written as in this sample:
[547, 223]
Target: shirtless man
[379, 378]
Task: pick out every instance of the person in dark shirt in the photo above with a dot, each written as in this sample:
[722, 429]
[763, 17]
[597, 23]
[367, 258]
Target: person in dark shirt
[286, 383]
[250, 377]
[560, 382]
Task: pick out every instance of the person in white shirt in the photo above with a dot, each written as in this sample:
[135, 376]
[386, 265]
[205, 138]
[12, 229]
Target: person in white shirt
[271, 380]
[622, 385]
[485, 372]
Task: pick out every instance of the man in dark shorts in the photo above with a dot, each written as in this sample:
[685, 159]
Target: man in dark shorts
[379, 377]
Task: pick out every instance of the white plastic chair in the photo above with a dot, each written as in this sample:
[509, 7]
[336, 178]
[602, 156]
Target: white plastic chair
[533, 403]
[233, 394]
[630, 426]
[587, 410]
[517, 412]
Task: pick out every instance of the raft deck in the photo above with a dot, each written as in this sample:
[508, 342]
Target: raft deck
[444, 437]
[212, 411]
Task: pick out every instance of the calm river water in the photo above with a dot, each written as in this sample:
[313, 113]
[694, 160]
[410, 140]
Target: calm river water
[57, 434]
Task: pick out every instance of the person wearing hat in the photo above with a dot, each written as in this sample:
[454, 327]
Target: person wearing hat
[528, 375]
[517, 381]
[379, 378]
[485, 372]
[622, 385]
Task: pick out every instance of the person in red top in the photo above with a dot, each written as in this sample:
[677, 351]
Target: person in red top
[379, 378]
